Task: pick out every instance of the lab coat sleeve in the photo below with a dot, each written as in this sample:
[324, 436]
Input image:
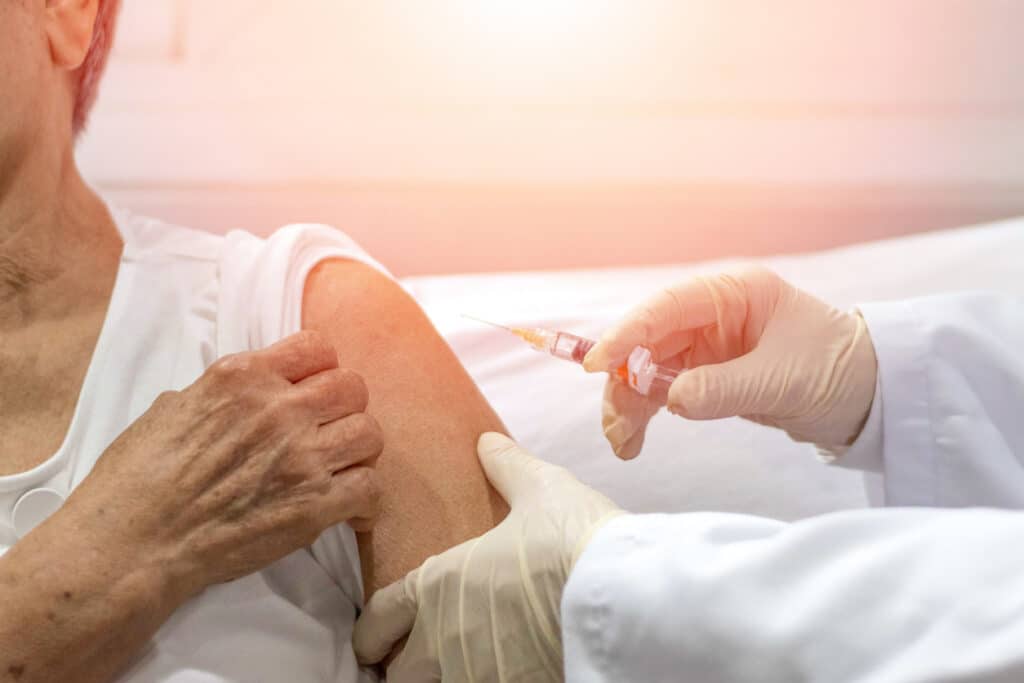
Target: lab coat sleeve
[870, 595]
[946, 428]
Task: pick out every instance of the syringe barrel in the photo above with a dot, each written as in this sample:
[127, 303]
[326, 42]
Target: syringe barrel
[570, 347]
[640, 371]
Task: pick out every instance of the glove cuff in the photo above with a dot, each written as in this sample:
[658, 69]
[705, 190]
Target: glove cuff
[584, 540]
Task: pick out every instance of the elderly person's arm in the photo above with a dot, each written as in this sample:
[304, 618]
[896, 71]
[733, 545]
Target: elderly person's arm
[434, 492]
[248, 464]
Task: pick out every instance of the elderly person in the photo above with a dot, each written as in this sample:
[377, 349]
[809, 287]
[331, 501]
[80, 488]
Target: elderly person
[184, 421]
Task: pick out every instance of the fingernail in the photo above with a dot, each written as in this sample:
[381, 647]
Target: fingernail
[592, 361]
[617, 433]
[492, 441]
[678, 393]
[627, 451]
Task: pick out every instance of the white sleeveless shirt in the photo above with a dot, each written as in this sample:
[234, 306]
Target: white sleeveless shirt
[181, 300]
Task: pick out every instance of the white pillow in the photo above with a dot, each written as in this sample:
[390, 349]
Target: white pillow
[553, 407]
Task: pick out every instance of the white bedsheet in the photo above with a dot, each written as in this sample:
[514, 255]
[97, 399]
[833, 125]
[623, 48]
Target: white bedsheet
[732, 465]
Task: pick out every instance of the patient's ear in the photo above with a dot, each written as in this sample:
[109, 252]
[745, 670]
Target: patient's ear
[69, 27]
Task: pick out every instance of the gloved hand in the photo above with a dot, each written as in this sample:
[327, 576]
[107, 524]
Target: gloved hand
[750, 344]
[488, 609]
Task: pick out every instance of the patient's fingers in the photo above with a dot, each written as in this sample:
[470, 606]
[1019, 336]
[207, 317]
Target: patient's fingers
[332, 394]
[300, 355]
[625, 415]
[354, 440]
[683, 307]
[387, 618]
[353, 494]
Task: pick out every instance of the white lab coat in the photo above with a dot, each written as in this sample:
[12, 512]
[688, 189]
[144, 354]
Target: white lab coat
[933, 592]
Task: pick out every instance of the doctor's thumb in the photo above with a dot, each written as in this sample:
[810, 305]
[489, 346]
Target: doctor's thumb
[511, 469]
[710, 392]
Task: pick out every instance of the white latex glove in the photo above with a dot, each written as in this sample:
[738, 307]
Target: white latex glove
[750, 344]
[488, 610]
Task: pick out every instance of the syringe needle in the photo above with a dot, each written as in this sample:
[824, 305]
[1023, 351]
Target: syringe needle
[487, 322]
[639, 372]
[536, 337]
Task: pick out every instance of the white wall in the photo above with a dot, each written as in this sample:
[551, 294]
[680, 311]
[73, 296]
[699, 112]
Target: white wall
[473, 134]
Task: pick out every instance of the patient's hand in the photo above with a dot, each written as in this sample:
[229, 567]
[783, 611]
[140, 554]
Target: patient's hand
[751, 345]
[251, 462]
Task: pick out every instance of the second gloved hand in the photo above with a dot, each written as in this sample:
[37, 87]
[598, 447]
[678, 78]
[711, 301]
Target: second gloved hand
[489, 609]
[750, 344]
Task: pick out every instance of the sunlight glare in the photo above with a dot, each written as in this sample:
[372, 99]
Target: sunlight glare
[534, 18]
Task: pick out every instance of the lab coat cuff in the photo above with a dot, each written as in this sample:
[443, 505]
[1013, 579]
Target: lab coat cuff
[588, 605]
[902, 394]
[635, 585]
[600, 608]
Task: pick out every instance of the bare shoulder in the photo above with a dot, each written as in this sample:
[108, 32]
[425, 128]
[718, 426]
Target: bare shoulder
[345, 290]
[435, 493]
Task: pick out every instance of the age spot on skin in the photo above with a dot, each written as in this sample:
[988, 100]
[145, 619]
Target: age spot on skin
[67, 595]
[16, 671]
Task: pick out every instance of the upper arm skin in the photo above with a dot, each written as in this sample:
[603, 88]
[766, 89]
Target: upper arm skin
[435, 492]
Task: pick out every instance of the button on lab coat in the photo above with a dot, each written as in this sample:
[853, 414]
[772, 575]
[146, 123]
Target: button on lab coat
[932, 591]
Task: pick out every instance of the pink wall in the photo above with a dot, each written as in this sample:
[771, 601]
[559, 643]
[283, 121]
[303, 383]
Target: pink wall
[483, 134]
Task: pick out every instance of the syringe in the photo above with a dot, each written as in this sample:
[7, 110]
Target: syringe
[640, 371]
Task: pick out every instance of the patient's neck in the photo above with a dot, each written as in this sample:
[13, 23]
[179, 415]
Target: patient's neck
[59, 247]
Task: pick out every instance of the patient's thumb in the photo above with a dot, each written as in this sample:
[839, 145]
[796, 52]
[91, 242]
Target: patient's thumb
[710, 392]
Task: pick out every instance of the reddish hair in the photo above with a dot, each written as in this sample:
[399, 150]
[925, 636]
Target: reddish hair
[95, 61]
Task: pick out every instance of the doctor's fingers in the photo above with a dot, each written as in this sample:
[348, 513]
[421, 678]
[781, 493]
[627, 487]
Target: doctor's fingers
[387, 618]
[408, 668]
[418, 662]
[514, 472]
[519, 476]
[624, 418]
[748, 385]
[677, 309]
